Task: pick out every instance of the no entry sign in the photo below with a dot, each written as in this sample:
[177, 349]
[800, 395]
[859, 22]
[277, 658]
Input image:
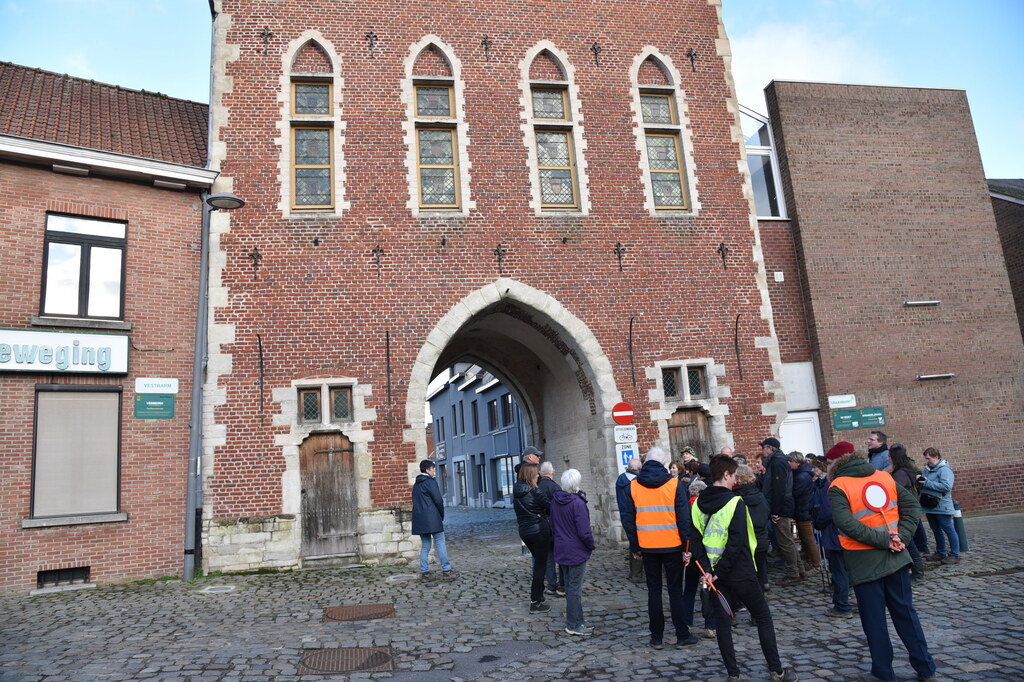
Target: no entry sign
[622, 413]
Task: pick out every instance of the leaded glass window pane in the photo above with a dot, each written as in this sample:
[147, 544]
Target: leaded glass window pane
[661, 152]
[437, 186]
[556, 187]
[552, 149]
[341, 404]
[312, 146]
[656, 109]
[436, 148]
[668, 190]
[668, 382]
[549, 104]
[312, 99]
[309, 405]
[312, 186]
[433, 102]
[695, 377]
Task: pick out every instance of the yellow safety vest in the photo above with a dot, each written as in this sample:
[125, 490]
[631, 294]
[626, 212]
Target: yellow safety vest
[656, 526]
[715, 529]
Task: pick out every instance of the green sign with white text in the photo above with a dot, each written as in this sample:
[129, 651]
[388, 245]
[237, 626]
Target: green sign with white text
[866, 417]
[154, 406]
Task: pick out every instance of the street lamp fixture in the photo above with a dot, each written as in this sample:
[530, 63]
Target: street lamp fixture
[225, 200]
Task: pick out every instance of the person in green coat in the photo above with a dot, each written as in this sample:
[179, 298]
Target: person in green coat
[876, 518]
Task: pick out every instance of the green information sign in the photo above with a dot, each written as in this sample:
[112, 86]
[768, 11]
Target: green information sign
[866, 417]
[154, 406]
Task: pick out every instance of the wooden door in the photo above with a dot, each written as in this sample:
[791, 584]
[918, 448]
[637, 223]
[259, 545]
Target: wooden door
[689, 427]
[330, 512]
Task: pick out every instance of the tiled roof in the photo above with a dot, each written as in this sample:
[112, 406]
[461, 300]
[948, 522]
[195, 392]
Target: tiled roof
[1010, 188]
[58, 108]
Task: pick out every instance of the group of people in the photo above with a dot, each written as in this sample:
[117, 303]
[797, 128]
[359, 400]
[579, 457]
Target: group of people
[707, 529]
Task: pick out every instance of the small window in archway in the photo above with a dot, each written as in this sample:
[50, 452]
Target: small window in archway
[341, 404]
[309, 405]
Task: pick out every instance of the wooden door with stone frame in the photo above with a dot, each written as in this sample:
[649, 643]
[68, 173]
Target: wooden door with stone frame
[330, 510]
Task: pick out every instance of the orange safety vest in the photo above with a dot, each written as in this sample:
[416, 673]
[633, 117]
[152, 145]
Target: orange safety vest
[656, 526]
[855, 489]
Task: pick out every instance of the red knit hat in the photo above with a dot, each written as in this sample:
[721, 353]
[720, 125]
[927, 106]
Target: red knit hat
[838, 450]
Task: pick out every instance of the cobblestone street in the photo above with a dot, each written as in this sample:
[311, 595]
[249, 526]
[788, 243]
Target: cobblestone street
[479, 628]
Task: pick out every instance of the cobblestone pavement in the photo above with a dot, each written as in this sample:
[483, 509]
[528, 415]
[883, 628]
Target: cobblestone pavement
[479, 628]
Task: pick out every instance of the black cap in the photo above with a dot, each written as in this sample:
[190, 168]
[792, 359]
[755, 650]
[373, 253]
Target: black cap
[771, 442]
[530, 450]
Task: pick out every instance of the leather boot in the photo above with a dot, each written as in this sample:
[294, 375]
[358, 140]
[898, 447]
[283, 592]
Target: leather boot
[917, 568]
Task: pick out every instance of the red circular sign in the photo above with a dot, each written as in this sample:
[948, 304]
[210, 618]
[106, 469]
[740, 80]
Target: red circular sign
[622, 413]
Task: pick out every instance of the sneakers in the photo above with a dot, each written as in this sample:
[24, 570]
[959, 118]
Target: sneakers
[657, 644]
[792, 580]
[560, 592]
[784, 676]
[582, 630]
[450, 575]
[951, 559]
[539, 607]
[832, 612]
[553, 591]
[710, 633]
[426, 576]
[689, 641]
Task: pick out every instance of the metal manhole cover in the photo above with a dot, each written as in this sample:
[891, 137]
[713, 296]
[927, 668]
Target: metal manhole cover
[358, 612]
[346, 660]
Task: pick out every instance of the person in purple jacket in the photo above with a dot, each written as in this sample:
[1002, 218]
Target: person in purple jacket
[570, 525]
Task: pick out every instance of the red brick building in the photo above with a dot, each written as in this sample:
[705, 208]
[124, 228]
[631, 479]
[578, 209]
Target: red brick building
[101, 217]
[561, 199]
[1008, 207]
[895, 288]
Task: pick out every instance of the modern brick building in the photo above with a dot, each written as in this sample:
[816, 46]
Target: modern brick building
[559, 198]
[1008, 207]
[101, 215]
[894, 286]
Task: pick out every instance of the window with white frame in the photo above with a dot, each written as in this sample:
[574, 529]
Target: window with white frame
[763, 164]
[83, 268]
[76, 463]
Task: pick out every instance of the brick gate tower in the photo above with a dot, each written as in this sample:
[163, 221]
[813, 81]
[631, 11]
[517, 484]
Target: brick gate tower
[556, 193]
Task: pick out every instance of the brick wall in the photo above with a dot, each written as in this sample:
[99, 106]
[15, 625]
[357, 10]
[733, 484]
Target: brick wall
[161, 296]
[1009, 216]
[324, 308]
[890, 204]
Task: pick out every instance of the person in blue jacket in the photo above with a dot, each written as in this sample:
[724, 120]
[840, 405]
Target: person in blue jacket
[428, 521]
[636, 566]
[830, 539]
[938, 483]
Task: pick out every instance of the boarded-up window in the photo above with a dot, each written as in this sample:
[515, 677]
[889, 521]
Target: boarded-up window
[76, 455]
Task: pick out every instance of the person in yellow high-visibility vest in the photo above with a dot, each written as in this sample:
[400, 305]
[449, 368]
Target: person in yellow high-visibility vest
[654, 518]
[724, 546]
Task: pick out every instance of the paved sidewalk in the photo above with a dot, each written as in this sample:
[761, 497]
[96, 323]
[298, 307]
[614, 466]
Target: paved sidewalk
[479, 628]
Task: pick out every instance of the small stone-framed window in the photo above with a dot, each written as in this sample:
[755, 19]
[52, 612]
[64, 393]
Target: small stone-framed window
[313, 400]
[685, 383]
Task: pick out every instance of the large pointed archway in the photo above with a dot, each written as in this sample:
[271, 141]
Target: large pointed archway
[550, 361]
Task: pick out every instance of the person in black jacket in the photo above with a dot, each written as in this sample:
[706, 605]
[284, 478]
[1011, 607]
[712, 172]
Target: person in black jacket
[803, 500]
[532, 509]
[723, 537]
[555, 575]
[428, 521]
[757, 507]
[777, 486]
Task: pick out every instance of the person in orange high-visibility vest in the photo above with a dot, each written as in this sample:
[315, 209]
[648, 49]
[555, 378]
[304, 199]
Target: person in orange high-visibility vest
[654, 517]
[875, 519]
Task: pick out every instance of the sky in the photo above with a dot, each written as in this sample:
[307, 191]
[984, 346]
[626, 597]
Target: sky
[976, 45]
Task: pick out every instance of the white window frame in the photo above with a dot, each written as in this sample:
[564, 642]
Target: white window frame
[769, 151]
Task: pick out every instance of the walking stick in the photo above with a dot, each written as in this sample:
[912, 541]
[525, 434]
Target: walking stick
[822, 562]
[686, 565]
[721, 598]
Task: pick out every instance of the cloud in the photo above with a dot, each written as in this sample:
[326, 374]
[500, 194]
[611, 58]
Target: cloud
[777, 51]
[77, 64]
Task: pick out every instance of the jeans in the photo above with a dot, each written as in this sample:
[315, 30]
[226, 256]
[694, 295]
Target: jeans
[442, 552]
[673, 565]
[892, 593]
[538, 543]
[574, 595]
[943, 523]
[840, 580]
[554, 575]
[691, 583]
[921, 539]
[761, 562]
[749, 592]
[784, 536]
